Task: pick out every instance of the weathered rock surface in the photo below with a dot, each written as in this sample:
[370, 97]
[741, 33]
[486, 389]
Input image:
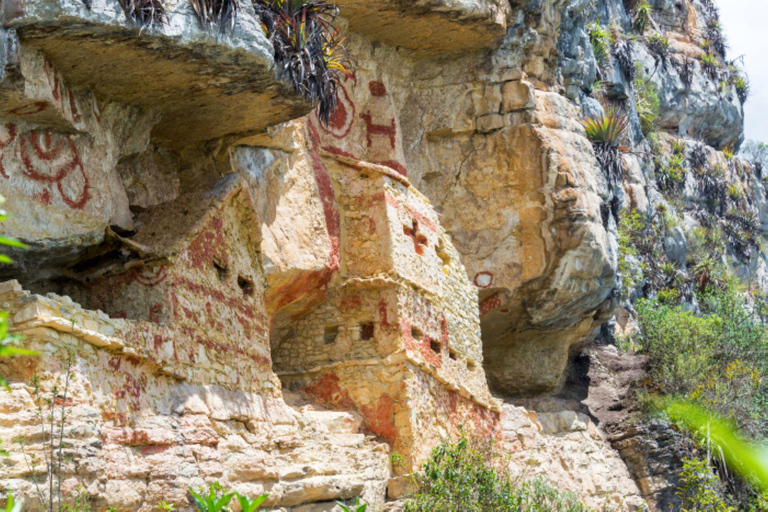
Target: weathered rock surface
[279, 304]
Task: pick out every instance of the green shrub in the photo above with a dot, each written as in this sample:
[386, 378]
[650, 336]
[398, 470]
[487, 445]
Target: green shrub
[747, 466]
[631, 227]
[719, 358]
[678, 147]
[671, 174]
[642, 15]
[468, 476]
[250, 505]
[710, 64]
[659, 45]
[359, 507]
[679, 344]
[700, 490]
[646, 100]
[216, 499]
[600, 38]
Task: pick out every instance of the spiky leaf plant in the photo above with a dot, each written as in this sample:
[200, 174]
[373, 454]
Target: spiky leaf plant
[214, 15]
[710, 64]
[659, 45]
[716, 37]
[144, 13]
[600, 38]
[685, 68]
[642, 15]
[740, 82]
[647, 101]
[742, 230]
[308, 48]
[624, 55]
[606, 132]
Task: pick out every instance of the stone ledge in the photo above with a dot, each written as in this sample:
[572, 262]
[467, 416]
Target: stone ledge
[443, 26]
[406, 356]
[204, 87]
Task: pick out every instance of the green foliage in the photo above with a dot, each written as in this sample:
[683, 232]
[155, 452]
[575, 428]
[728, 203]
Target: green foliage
[700, 490]
[734, 191]
[679, 345]
[164, 506]
[12, 505]
[79, 500]
[642, 15]
[607, 127]
[746, 458]
[646, 100]
[740, 82]
[672, 173]
[678, 147]
[213, 499]
[359, 507]
[719, 358]
[52, 429]
[606, 131]
[216, 499]
[539, 495]
[710, 64]
[251, 505]
[600, 38]
[468, 476]
[9, 342]
[659, 46]
[631, 226]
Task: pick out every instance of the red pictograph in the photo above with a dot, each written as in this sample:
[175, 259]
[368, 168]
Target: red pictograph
[150, 276]
[7, 136]
[342, 119]
[419, 240]
[62, 95]
[489, 304]
[377, 88]
[371, 128]
[32, 108]
[53, 159]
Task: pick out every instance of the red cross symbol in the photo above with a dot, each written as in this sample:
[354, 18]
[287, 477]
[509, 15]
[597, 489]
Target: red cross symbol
[419, 240]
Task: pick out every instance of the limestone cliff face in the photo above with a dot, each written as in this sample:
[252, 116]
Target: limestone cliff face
[255, 297]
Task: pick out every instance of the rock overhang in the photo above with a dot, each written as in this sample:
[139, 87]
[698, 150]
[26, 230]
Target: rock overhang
[204, 85]
[443, 26]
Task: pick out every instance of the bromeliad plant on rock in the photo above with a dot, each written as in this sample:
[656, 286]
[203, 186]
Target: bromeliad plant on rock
[144, 13]
[308, 48]
[606, 132]
[218, 15]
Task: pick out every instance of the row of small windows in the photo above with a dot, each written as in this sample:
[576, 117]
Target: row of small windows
[246, 285]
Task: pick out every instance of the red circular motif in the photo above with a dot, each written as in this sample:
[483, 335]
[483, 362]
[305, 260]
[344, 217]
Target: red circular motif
[483, 279]
[38, 163]
[341, 120]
